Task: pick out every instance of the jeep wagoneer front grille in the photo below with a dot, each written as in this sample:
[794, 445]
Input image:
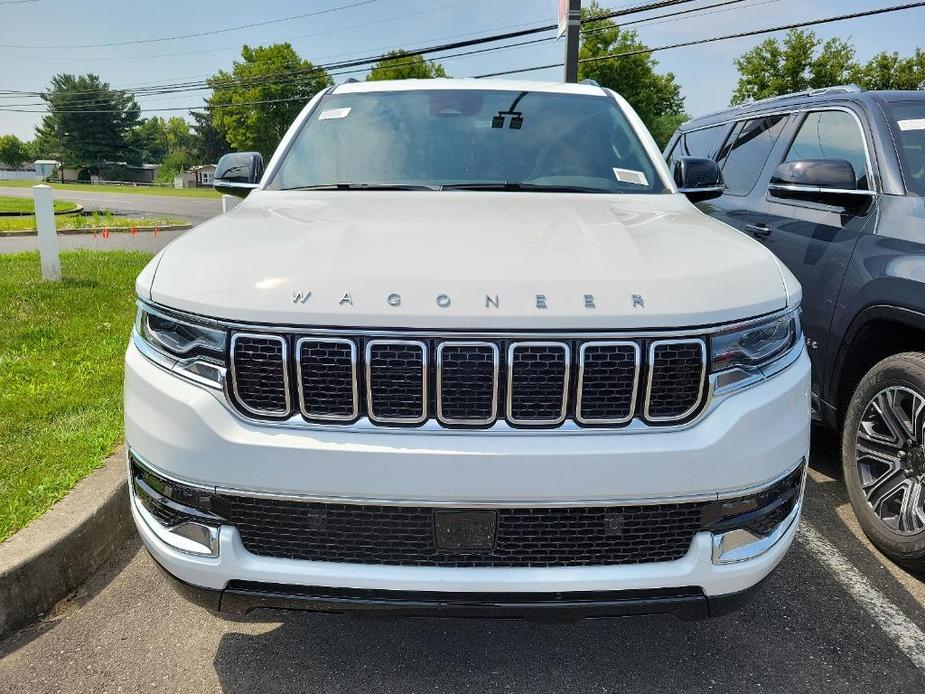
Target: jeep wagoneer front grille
[459, 382]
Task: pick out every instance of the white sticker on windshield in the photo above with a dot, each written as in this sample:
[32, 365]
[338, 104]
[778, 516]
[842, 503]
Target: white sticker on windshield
[332, 113]
[631, 176]
[912, 124]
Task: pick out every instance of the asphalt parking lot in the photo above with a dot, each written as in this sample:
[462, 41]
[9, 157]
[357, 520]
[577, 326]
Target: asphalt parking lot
[835, 617]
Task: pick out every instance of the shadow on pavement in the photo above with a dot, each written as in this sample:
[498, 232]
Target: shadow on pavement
[802, 633]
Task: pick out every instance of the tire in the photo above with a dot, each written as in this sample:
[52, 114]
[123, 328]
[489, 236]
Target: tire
[884, 469]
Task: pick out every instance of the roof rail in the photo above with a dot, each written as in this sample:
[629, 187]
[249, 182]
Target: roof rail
[593, 83]
[819, 91]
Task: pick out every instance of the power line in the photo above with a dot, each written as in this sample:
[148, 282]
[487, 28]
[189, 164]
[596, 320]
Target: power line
[738, 35]
[211, 32]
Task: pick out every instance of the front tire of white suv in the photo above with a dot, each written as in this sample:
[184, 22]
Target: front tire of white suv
[883, 456]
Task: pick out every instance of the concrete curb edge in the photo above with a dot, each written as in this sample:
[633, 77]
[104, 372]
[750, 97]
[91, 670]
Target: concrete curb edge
[56, 553]
[97, 230]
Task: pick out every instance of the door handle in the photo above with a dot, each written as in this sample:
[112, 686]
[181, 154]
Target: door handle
[759, 230]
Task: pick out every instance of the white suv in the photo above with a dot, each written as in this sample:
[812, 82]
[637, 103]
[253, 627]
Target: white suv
[467, 347]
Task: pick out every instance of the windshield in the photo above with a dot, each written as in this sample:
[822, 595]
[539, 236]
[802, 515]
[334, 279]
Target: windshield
[486, 140]
[908, 122]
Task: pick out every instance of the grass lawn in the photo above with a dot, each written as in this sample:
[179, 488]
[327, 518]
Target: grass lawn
[61, 350]
[96, 220]
[8, 204]
[140, 190]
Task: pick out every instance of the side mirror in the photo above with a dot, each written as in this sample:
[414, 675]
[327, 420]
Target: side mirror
[238, 173]
[826, 181]
[698, 178]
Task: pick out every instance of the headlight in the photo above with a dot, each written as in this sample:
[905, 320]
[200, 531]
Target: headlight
[193, 350]
[742, 353]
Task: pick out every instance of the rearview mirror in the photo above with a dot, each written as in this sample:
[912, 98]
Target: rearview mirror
[826, 181]
[238, 173]
[698, 178]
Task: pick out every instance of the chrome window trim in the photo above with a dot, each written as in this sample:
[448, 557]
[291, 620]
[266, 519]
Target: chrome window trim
[651, 362]
[875, 182]
[369, 382]
[285, 363]
[355, 411]
[563, 409]
[134, 457]
[637, 350]
[496, 363]
[798, 188]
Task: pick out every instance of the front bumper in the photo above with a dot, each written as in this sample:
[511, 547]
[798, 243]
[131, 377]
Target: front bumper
[748, 441]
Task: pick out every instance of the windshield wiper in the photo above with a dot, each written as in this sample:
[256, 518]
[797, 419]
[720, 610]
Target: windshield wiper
[529, 187]
[363, 186]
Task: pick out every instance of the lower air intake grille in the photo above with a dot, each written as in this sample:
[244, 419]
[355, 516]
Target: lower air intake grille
[676, 379]
[261, 381]
[404, 535]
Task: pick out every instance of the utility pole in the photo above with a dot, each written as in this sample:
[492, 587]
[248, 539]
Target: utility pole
[571, 39]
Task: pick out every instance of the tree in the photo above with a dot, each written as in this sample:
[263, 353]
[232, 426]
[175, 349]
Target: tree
[256, 102]
[13, 151]
[88, 123]
[209, 143]
[398, 65]
[803, 61]
[889, 71]
[149, 138]
[656, 97]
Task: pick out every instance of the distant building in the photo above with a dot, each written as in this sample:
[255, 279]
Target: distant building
[196, 177]
[110, 171]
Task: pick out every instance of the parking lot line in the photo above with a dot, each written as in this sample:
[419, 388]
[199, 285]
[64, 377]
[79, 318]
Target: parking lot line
[904, 633]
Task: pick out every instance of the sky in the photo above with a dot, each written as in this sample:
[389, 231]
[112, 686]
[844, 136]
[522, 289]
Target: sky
[40, 38]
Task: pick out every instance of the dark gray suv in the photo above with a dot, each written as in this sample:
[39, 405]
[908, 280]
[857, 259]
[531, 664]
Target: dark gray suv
[833, 182]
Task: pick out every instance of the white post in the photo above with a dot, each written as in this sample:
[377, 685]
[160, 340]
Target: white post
[229, 202]
[48, 235]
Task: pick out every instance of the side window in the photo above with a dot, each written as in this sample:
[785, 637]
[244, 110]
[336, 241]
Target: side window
[831, 135]
[703, 143]
[747, 151]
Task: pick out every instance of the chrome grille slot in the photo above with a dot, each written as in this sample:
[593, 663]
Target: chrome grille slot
[327, 378]
[467, 382]
[676, 377]
[396, 381]
[259, 367]
[608, 374]
[537, 382]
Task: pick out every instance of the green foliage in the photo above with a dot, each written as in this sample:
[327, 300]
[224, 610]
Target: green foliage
[209, 143]
[655, 97]
[149, 138]
[890, 71]
[88, 123]
[398, 65]
[803, 61]
[256, 78]
[177, 161]
[13, 151]
[61, 353]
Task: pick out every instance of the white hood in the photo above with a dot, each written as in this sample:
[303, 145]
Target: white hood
[353, 249]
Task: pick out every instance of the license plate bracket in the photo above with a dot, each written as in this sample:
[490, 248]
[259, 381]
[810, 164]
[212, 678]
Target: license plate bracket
[465, 531]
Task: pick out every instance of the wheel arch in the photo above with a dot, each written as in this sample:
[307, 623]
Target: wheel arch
[876, 333]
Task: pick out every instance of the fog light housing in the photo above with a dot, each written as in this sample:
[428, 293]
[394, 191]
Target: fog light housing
[747, 527]
[185, 528]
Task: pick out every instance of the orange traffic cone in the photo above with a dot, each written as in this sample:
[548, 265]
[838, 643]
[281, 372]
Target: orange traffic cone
[134, 230]
[155, 232]
[105, 232]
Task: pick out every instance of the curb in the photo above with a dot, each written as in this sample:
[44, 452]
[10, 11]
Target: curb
[74, 210]
[97, 230]
[52, 556]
